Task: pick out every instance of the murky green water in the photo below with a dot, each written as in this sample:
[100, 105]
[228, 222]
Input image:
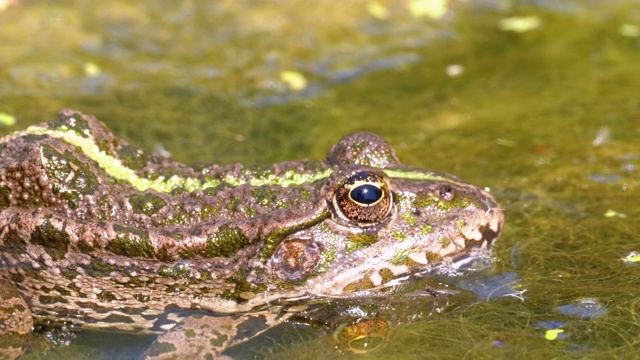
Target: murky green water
[548, 118]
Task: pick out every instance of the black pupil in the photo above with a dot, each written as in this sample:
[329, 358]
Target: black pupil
[366, 194]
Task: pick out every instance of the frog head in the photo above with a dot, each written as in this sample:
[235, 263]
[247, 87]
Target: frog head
[384, 221]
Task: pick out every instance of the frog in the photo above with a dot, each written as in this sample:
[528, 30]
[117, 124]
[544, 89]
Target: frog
[98, 233]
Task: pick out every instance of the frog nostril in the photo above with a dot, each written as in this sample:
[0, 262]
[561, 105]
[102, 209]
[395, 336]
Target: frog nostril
[447, 192]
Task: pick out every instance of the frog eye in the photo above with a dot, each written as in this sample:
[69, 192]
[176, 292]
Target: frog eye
[364, 198]
[447, 192]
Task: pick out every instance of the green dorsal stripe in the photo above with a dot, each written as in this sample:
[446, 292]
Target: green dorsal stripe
[118, 170]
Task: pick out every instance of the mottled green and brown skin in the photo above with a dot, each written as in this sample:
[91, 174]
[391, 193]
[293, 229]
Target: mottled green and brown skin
[97, 232]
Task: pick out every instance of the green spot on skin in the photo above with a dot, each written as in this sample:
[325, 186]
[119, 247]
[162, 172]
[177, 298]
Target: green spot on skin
[328, 256]
[386, 275]
[68, 274]
[163, 255]
[213, 191]
[552, 334]
[47, 300]
[131, 242]
[73, 122]
[72, 286]
[99, 268]
[137, 283]
[62, 169]
[264, 195]
[13, 243]
[70, 176]
[359, 241]
[426, 229]
[176, 288]
[84, 247]
[5, 200]
[398, 235]
[304, 194]
[182, 270]
[226, 242]
[241, 285]
[205, 275]
[55, 242]
[401, 257]
[178, 271]
[362, 284]
[433, 257]
[408, 217]
[61, 290]
[133, 157]
[18, 278]
[165, 271]
[106, 296]
[219, 340]
[179, 217]
[146, 203]
[429, 200]
[444, 242]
